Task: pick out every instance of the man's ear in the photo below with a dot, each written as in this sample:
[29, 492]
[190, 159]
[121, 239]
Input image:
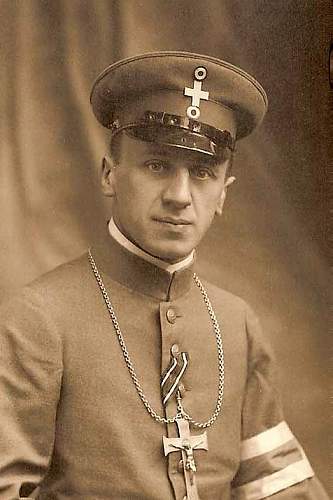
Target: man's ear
[219, 208]
[107, 176]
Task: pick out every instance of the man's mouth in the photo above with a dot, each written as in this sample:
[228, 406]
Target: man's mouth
[173, 221]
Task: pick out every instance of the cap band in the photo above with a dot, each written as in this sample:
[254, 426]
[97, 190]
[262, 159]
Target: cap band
[154, 125]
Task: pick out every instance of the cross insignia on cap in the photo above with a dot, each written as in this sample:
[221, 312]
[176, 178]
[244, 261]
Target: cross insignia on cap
[196, 93]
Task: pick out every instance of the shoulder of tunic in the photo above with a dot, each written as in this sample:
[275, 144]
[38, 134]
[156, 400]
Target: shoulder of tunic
[236, 312]
[56, 287]
[223, 298]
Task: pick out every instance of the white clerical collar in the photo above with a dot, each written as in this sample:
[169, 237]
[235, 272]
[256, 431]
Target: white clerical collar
[123, 241]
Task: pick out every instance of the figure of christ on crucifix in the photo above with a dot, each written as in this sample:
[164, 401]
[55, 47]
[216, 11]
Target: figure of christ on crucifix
[187, 444]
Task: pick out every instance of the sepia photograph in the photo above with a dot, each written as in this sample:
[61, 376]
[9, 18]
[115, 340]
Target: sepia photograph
[164, 264]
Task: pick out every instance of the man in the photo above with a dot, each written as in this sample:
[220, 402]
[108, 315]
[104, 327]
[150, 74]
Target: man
[123, 375]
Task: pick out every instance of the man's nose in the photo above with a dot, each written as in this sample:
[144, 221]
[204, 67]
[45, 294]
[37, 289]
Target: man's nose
[177, 191]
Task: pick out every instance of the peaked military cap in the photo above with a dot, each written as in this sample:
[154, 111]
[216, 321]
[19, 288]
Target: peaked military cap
[180, 99]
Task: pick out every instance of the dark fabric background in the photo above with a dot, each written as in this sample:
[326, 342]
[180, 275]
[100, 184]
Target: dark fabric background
[270, 245]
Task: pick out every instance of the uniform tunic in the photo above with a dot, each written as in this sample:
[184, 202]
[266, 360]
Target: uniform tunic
[72, 425]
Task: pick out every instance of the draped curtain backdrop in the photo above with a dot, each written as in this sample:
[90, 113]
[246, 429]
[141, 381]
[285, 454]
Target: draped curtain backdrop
[269, 247]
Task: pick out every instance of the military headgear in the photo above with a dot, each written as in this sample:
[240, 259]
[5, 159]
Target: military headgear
[185, 100]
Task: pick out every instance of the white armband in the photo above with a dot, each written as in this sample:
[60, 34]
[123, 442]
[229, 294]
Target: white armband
[270, 462]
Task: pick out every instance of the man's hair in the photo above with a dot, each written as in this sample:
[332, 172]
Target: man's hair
[230, 159]
[115, 148]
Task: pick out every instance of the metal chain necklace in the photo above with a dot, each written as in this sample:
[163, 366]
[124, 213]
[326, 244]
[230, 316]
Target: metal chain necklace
[181, 413]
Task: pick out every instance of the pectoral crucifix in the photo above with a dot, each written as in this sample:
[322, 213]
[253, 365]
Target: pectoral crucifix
[186, 444]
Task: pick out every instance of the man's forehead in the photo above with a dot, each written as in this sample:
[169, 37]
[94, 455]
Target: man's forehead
[153, 149]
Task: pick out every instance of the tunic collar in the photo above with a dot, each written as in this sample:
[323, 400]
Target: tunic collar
[122, 240]
[136, 273]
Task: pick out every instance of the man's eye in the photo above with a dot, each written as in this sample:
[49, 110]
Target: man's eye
[202, 173]
[155, 166]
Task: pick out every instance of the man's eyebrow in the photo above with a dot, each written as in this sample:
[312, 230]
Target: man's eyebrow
[208, 162]
[157, 152]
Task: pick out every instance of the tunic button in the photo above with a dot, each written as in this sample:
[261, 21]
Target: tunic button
[180, 467]
[175, 350]
[171, 315]
[182, 389]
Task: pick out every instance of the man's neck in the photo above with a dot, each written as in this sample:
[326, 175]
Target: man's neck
[131, 247]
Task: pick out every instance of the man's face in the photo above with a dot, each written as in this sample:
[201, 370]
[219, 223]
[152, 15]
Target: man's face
[165, 198]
